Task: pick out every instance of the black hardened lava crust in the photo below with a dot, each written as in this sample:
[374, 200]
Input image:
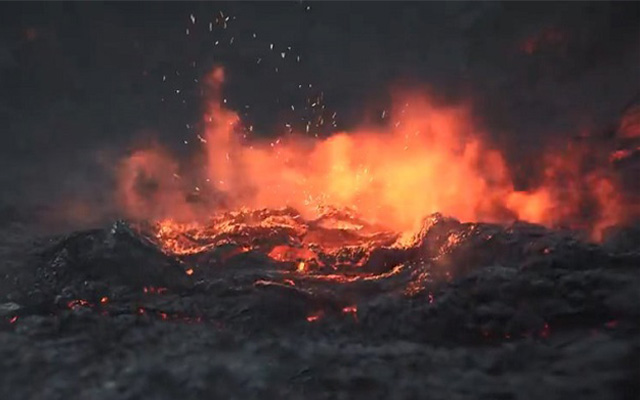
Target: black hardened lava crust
[518, 312]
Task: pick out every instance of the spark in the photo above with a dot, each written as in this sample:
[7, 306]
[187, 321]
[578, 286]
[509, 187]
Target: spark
[350, 309]
[546, 331]
[78, 303]
[353, 310]
[104, 300]
[193, 18]
[313, 317]
[271, 46]
[189, 271]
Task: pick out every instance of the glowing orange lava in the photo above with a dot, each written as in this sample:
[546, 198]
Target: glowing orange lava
[314, 317]
[430, 159]
[301, 267]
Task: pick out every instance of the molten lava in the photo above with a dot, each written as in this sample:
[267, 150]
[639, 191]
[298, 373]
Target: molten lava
[359, 186]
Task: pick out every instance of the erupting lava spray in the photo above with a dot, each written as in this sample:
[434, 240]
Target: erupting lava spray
[430, 159]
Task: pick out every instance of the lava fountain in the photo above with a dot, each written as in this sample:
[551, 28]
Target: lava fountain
[429, 159]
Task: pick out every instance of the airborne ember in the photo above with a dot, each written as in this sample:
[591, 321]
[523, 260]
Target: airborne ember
[429, 159]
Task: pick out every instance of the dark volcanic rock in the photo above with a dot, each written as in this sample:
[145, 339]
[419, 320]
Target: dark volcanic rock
[114, 256]
[467, 311]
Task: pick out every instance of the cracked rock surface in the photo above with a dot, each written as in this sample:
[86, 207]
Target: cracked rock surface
[518, 312]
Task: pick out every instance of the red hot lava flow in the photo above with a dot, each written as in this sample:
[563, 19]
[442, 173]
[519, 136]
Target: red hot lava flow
[430, 159]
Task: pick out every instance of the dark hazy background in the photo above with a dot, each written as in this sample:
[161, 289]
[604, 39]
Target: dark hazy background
[81, 83]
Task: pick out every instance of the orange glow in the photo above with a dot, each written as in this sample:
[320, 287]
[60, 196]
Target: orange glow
[172, 236]
[150, 188]
[314, 317]
[104, 300]
[189, 271]
[154, 290]
[350, 310]
[622, 154]
[545, 332]
[301, 267]
[568, 190]
[353, 310]
[429, 159]
[630, 123]
[288, 253]
[73, 304]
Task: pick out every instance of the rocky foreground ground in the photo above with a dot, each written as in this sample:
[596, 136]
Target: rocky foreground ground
[464, 311]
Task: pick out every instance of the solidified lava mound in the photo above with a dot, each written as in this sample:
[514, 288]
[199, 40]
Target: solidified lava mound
[265, 304]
